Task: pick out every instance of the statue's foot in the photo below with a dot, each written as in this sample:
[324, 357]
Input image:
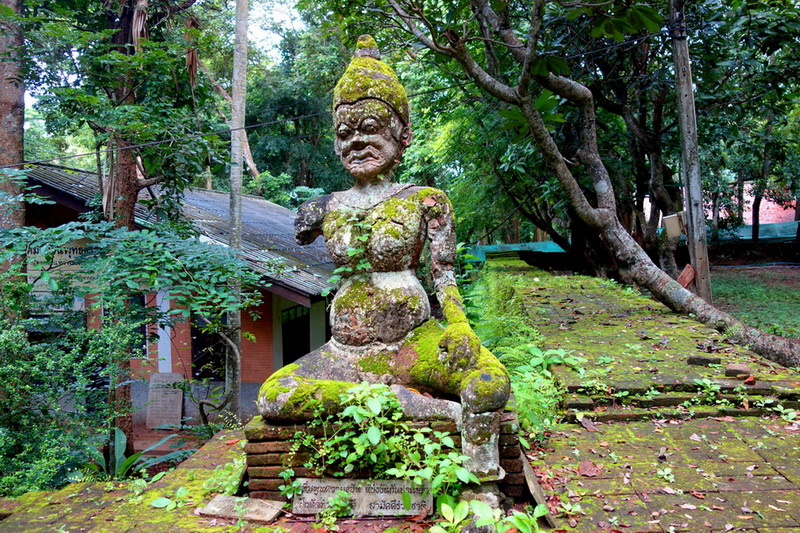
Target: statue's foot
[419, 407]
[481, 442]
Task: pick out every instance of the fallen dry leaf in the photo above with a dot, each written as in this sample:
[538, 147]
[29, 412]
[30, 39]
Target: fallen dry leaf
[777, 509]
[751, 467]
[688, 506]
[695, 437]
[232, 441]
[589, 469]
[717, 508]
[589, 425]
[668, 490]
[745, 516]
[698, 495]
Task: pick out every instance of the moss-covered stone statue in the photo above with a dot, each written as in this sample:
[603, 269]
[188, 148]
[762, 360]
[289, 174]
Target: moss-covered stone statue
[380, 317]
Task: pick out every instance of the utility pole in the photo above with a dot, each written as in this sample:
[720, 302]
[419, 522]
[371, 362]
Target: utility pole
[233, 363]
[690, 160]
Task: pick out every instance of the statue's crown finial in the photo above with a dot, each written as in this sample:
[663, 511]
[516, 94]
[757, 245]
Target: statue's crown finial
[367, 47]
[369, 77]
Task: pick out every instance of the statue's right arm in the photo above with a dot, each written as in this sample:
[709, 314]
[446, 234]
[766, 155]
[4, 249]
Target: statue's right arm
[308, 223]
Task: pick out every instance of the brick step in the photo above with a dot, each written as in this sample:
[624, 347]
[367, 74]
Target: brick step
[582, 402]
[631, 414]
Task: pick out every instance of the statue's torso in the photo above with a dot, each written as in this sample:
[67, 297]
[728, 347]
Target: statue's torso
[380, 299]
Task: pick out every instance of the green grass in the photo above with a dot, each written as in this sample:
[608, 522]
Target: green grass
[768, 299]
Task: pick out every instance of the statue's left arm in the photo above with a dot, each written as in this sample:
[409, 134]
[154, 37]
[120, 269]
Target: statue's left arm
[442, 238]
[308, 222]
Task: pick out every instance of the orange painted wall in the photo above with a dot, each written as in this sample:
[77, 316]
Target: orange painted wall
[182, 349]
[258, 359]
[142, 368]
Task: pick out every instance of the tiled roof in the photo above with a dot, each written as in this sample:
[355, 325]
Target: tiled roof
[267, 228]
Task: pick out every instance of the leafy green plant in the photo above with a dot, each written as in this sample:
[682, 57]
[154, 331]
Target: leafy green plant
[225, 479]
[526, 522]
[180, 498]
[709, 392]
[291, 487]
[49, 354]
[666, 474]
[118, 466]
[369, 437]
[356, 253]
[339, 505]
[453, 519]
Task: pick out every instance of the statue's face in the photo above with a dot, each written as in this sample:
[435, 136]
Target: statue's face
[369, 138]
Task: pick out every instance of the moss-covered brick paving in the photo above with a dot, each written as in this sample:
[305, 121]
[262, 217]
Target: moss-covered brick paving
[666, 452]
[116, 507]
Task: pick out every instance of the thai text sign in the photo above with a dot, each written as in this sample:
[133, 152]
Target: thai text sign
[369, 497]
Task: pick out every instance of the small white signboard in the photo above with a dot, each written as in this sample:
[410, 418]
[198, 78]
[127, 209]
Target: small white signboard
[370, 497]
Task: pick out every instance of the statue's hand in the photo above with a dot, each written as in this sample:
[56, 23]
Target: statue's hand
[459, 347]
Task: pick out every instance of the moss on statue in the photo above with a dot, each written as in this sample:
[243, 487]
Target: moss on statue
[369, 77]
[452, 305]
[312, 396]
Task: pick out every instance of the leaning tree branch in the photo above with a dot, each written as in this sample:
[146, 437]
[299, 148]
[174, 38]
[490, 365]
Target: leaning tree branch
[589, 153]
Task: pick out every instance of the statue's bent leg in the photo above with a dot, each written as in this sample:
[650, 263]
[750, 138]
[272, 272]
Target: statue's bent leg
[308, 388]
[484, 393]
[458, 365]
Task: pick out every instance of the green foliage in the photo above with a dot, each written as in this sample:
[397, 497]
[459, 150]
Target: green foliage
[85, 77]
[291, 487]
[115, 465]
[369, 437]
[295, 146]
[226, 479]
[339, 505]
[56, 373]
[506, 330]
[357, 254]
[769, 301]
[180, 498]
[454, 518]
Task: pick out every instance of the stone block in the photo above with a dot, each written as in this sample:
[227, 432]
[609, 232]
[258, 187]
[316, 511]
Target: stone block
[737, 369]
[703, 360]
[275, 471]
[267, 447]
[258, 484]
[268, 495]
[509, 452]
[509, 440]
[511, 466]
[265, 459]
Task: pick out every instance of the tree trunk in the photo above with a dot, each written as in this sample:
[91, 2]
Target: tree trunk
[248, 154]
[233, 372]
[740, 194]
[756, 228]
[763, 182]
[696, 221]
[12, 114]
[783, 351]
[715, 217]
[599, 215]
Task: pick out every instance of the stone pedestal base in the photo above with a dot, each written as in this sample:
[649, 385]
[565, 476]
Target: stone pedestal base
[268, 454]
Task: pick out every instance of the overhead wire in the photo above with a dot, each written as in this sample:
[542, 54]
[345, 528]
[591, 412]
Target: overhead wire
[288, 119]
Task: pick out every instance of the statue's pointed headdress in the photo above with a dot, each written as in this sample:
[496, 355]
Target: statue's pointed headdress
[369, 77]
